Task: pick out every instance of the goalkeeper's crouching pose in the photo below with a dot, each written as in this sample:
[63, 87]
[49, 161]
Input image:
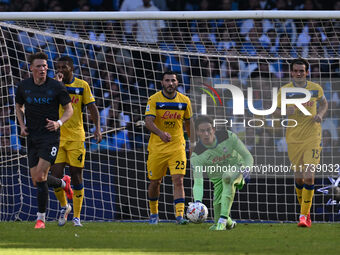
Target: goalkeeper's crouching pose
[222, 157]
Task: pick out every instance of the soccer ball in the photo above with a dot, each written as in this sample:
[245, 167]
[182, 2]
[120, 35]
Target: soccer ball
[197, 212]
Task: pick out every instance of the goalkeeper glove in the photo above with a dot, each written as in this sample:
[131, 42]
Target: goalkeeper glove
[246, 174]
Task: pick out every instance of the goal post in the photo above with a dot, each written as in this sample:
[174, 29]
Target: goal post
[210, 51]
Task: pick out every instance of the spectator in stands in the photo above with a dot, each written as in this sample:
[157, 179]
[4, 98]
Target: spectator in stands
[8, 127]
[204, 40]
[24, 72]
[317, 48]
[128, 6]
[309, 29]
[96, 4]
[113, 32]
[336, 5]
[206, 67]
[250, 5]
[332, 44]
[309, 5]
[285, 26]
[161, 4]
[225, 5]
[204, 5]
[126, 74]
[147, 31]
[227, 40]
[5, 143]
[271, 42]
[28, 41]
[10, 137]
[330, 124]
[112, 119]
[54, 6]
[230, 67]
[286, 48]
[81, 5]
[4, 6]
[178, 63]
[109, 88]
[255, 38]
[176, 5]
[27, 6]
[184, 36]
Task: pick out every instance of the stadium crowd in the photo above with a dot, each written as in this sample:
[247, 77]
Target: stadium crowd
[166, 5]
[115, 86]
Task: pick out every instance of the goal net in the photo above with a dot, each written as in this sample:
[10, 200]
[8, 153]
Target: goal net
[122, 56]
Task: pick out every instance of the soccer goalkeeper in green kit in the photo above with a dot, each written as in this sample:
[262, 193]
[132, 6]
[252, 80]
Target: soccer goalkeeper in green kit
[226, 161]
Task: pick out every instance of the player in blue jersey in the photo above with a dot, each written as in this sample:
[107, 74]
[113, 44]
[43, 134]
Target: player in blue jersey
[37, 101]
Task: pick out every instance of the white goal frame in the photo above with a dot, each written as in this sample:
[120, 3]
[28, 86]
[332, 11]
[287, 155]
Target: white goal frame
[12, 208]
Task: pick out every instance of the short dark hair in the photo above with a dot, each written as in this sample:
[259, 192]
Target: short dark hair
[169, 73]
[203, 119]
[300, 61]
[38, 55]
[66, 59]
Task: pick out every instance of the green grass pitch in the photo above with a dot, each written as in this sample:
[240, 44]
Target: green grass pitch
[167, 238]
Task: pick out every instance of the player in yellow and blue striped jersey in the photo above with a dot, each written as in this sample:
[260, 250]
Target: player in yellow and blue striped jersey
[304, 140]
[164, 115]
[72, 138]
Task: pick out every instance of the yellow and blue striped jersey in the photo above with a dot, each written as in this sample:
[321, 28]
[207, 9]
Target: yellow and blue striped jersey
[80, 93]
[169, 114]
[307, 129]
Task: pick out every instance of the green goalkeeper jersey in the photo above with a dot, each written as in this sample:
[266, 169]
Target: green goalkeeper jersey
[226, 156]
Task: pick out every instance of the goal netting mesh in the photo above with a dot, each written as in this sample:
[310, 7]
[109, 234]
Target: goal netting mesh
[123, 57]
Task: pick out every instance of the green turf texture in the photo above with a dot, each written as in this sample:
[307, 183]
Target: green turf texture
[167, 238]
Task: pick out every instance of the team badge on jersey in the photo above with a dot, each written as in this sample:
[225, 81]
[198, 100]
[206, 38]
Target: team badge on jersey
[147, 108]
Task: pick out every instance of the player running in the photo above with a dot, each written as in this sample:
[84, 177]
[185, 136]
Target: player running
[38, 99]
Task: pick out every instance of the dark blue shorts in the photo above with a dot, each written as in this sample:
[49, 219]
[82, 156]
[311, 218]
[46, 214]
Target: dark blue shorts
[42, 147]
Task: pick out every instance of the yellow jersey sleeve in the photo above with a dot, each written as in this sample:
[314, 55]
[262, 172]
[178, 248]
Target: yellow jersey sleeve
[87, 95]
[188, 111]
[80, 93]
[320, 93]
[151, 107]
